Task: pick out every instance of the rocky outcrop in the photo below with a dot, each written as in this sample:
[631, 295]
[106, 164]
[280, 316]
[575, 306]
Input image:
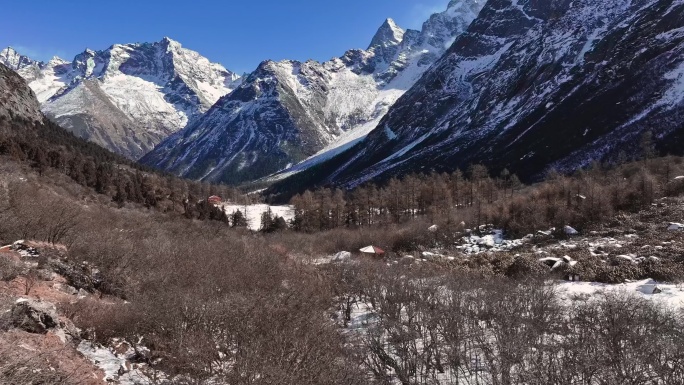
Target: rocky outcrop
[34, 316]
[16, 98]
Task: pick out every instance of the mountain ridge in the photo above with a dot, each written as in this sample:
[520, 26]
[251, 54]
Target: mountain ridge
[296, 109]
[532, 87]
[127, 97]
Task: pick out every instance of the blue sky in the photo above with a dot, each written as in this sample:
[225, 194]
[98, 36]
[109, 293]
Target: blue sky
[237, 34]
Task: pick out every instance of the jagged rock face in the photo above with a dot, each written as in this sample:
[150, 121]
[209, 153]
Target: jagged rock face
[16, 98]
[14, 61]
[386, 41]
[287, 111]
[129, 97]
[534, 85]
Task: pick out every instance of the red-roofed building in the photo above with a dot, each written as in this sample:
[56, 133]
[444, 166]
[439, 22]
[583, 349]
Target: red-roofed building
[214, 199]
[373, 250]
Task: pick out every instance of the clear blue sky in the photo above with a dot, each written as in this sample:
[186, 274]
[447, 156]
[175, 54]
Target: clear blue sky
[237, 34]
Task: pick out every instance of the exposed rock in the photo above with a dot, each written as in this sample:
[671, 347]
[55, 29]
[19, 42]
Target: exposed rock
[80, 277]
[341, 256]
[570, 231]
[675, 226]
[408, 260]
[17, 100]
[34, 316]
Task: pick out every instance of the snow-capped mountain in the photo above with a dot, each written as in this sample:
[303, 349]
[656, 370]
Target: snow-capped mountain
[126, 98]
[288, 111]
[16, 98]
[14, 60]
[533, 85]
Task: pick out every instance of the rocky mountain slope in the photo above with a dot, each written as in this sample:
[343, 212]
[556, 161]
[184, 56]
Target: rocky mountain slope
[532, 86]
[287, 111]
[16, 99]
[126, 98]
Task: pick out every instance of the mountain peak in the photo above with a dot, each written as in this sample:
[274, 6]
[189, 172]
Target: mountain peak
[389, 34]
[14, 60]
[56, 60]
[168, 42]
[391, 23]
[8, 51]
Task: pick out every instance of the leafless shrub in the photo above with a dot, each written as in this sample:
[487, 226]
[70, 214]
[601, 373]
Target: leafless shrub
[49, 367]
[465, 330]
[9, 269]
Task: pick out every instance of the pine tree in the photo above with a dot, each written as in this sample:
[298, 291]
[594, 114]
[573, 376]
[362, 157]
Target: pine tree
[278, 224]
[103, 177]
[120, 196]
[266, 221]
[238, 219]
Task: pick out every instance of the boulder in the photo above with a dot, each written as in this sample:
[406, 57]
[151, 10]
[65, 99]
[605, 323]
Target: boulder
[77, 276]
[430, 256]
[34, 316]
[570, 231]
[408, 260]
[342, 256]
[24, 249]
[64, 288]
[675, 226]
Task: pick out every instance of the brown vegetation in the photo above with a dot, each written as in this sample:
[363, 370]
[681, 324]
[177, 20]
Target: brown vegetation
[588, 197]
[215, 302]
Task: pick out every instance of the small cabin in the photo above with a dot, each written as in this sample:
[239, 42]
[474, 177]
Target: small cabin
[214, 200]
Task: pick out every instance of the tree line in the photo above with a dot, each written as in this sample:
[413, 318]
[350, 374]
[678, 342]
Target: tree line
[476, 197]
[48, 147]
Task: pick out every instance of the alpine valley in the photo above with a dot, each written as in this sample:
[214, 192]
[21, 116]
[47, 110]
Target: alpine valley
[129, 98]
[496, 198]
[519, 84]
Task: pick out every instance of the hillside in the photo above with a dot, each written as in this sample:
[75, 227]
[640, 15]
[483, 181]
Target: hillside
[530, 87]
[28, 138]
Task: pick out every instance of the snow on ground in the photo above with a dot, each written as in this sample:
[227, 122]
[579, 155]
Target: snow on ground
[253, 213]
[111, 364]
[670, 295]
[361, 315]
[493, 241]
[144, 100]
